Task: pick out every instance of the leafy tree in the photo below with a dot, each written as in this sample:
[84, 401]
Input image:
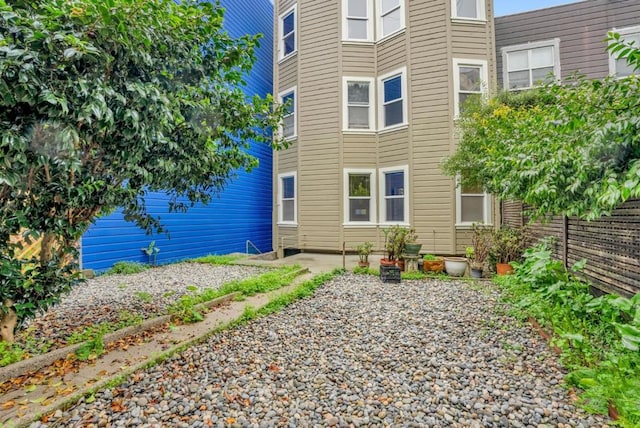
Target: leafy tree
[102, 101]
[571, 148]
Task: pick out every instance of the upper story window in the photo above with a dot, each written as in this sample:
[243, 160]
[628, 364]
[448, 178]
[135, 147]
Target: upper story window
[468, 9]
[358, 24]
[359, 192]
[288, 127]
[469, 79]
[391, 17]
[393, 98]
[531, 63]
[394, 195]
[287, 39]
[619, 67]
[358, 108]
[287, 201]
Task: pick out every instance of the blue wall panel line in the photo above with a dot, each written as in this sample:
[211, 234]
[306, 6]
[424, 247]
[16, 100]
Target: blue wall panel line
[242, 211]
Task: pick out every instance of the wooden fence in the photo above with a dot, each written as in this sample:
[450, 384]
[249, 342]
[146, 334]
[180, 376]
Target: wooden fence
[611, 245]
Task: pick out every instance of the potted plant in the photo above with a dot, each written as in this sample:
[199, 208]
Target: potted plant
[363, 253]
[394, 240]
[479, 251]
[431, 263]
[152, 253]
[507, 246]
[411, 247]
[455, 266]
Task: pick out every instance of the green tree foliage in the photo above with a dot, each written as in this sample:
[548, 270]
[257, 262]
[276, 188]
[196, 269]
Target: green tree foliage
[102, 101]
[571, 148]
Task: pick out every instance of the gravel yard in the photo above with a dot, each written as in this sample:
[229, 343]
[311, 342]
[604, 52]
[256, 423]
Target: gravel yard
[358, 353]
[146, 294]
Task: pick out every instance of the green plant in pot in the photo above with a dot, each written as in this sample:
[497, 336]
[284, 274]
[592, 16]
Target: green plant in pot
[478, 253]
[431, 263]
[411, 247]
[508, 244]
[364, 250]
[394, 240]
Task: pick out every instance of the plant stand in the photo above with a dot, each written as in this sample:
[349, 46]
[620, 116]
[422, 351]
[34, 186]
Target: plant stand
[411, 262]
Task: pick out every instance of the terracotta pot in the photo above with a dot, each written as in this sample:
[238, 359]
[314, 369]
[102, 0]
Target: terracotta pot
[363, 264]
[433, 265]
[387, 262]
[504, 268]
[400, 264]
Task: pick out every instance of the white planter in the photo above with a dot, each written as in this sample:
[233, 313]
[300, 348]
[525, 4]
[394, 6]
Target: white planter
[455, 266]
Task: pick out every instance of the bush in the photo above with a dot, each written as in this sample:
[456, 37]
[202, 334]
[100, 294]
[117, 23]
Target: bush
[126, 268]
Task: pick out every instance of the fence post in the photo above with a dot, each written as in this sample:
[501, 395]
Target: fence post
[565, 241]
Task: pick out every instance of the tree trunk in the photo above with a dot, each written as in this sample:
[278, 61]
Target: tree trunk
[8, 321]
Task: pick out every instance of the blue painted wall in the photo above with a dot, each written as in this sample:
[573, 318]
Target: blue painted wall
[243, 211]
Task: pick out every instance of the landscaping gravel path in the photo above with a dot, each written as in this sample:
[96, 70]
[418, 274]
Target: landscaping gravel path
[146, 294]
[358, 353]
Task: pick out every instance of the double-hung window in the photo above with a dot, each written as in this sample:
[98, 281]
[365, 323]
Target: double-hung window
[473, 206]
[469, 79]
[393, 98]
[287, 39]
[287, 201]
[358, 24]
[468, 9]
[288, 127]
[620, 67]
[394, 195]
[391, 17]
[531, 63]
[360, 208]
[358, 96]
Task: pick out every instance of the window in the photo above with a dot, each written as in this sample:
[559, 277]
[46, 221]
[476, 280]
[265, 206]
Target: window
[474, 206]
[528, 64]
[358, 25]
[359, 196]
[469, 79]
[287, 39]
[287, 203]
[394, 195]
[393, 90]
[468, 9]
[288, 128]
[358, 98]
[391, 17]
[619, 67]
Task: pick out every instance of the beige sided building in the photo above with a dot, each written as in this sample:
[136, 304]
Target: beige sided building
[374, 87]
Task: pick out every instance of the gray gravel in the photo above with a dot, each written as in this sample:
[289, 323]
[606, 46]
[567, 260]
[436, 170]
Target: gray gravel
[359, 353]
[146, 294]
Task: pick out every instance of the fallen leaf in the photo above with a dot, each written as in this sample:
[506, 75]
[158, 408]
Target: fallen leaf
[30, 388]
[38, 400]
[9, 404]
[274, 368]
[231, 421]
[103, 373]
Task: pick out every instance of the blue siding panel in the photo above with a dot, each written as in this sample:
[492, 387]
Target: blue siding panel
[243, 211]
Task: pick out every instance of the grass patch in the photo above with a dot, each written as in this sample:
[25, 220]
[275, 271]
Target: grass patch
[213, 259]
[599, 337]
[185, 308]
[126, 268]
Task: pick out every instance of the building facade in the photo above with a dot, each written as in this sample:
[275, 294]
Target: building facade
[243, 210]
[373, 88]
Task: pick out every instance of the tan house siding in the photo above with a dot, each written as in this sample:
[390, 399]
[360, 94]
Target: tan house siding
[426, 49]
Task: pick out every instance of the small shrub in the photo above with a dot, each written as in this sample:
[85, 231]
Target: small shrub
[144, 296]
[214, 259]
[126, 268]
[10, 353]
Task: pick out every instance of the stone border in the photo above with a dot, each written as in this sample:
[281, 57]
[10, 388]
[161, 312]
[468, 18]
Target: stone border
[40, 361]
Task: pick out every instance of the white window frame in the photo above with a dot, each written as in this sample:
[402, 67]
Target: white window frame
[382, 185]
[372, 198]
[487, 207]
[293, 90]
[345, 104]
[402, 72]
[484, 79]
[554, 43]
[627, 31]
[346, 18]
[293, 9]
[480, 7]
[281, 221]
[380, 16]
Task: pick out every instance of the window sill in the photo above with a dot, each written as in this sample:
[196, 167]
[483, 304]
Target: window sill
[398, 127]
[359, 225]
[290, 225]
[290, 139]
[394, 223]
[472, 21]
[469, 226]
[359, 131]
[392, 35]
[288, 57]
[358, 42]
